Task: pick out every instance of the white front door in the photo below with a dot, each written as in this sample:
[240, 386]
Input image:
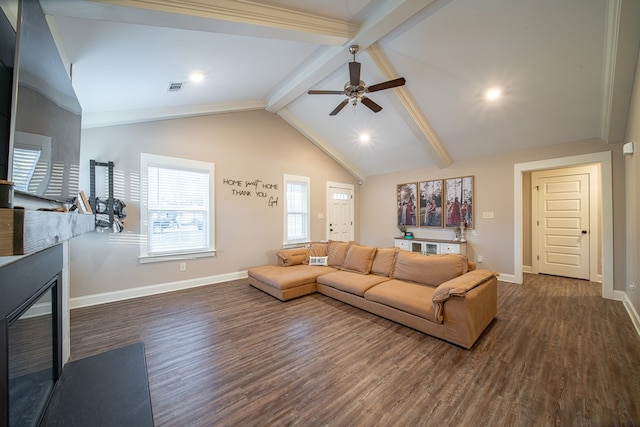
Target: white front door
[561, 228]
[340, 212]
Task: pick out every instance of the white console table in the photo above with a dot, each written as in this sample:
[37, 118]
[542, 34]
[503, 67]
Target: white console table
[431, 246]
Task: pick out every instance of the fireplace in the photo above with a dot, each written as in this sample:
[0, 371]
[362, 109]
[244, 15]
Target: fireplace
[30, 335]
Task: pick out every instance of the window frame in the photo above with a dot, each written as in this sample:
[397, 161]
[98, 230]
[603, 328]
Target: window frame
[147, 160]
[288, 179]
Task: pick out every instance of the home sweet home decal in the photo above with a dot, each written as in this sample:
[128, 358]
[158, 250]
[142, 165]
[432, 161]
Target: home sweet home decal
[254, 188]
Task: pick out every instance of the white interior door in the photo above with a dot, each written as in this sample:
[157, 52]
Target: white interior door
[562, 223]
[340, 212]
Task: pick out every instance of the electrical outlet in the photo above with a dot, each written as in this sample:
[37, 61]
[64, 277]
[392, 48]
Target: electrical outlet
[632, 286]
[487, 215]
[183, 266]
[479, 258]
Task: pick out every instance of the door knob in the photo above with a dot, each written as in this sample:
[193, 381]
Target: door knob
[584, 231]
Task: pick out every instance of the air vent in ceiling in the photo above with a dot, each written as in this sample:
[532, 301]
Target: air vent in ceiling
[174, 87]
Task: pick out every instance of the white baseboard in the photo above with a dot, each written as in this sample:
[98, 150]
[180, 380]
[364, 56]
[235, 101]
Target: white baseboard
[106, 297]
[511, 278]
[527, 269]
[633, 314]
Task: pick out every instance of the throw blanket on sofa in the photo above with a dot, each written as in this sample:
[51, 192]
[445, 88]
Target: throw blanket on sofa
[458, 287]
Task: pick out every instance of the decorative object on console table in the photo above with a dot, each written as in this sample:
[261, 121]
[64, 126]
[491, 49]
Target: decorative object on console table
[463, 226]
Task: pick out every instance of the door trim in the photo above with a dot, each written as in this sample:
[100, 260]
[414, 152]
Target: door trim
[594, 227]
[606, 184]
[351, 187]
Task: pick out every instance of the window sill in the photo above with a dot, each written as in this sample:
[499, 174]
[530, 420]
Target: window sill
[295, 245]
[144, 259]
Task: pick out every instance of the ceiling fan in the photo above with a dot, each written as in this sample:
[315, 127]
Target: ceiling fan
[355, 89]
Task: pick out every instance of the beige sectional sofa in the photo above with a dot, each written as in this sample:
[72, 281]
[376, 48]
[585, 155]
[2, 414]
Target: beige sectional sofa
[441, 295]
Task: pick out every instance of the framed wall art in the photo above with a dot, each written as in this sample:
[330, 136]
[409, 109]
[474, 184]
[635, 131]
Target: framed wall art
[430, 203]
[459, 202]
[407, 204]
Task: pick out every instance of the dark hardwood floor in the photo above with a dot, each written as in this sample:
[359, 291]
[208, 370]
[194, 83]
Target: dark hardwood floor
[229, 354]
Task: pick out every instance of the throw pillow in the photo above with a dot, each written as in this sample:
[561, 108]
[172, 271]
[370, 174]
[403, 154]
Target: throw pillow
[359, 259]
[316, 249]
[384, 261]
[289, 257]
[318, 260]
[337, 251]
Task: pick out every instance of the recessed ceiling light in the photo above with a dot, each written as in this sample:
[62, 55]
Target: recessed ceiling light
[493, 94]
[196, 77]
[364, 137]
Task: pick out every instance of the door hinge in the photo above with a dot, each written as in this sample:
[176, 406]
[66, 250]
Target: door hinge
[538, 257]
[537, 188]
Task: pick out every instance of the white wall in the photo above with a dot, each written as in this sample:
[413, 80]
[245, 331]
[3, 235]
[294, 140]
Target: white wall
[493, 192]
[244, 146]
[632, 168]
[259, 145]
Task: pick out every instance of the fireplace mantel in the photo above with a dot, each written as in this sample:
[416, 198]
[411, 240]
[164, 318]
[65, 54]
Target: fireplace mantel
[27, 231]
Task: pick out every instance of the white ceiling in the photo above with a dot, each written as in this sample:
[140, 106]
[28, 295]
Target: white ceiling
[565, 68]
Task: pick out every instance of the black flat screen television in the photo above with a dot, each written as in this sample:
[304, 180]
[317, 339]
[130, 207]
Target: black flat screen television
[46, 116]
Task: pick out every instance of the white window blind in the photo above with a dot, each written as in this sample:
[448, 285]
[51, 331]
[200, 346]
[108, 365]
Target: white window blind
[297, 209]
[178, 206]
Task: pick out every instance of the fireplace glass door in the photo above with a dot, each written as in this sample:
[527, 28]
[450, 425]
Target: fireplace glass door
[31, 361]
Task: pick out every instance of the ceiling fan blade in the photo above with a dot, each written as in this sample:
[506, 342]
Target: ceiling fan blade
[369, 103]
[387, 85]
[354, 73]
[326, 92]
[339, 107]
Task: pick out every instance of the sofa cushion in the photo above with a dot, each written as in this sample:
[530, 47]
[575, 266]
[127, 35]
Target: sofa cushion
[430, 270]
[359, 259]
[316, 249]
[354, 283]
[384, 260]
[337, 251]
[288, 277]
[289, 257]
[408, 297]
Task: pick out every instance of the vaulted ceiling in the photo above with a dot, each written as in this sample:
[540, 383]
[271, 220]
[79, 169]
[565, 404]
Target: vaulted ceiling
[564, 67]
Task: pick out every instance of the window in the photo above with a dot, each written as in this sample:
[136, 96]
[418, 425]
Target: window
[176, 209]
[296, 213]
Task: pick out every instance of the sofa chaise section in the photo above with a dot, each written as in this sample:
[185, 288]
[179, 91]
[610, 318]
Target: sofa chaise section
[286, 283]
